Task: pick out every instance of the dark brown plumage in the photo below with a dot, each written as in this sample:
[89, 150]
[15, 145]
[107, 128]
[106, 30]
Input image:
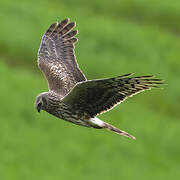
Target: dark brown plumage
[98, 96]
[56, 57]
[73, 98]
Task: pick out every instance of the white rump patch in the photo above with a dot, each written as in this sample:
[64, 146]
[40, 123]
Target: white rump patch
[97, 122]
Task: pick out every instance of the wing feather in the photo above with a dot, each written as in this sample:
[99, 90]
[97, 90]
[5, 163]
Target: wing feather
[97, 96]
[56, 57]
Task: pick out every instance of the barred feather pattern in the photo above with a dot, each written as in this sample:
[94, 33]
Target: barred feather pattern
[88, 99]
[73, 98]
[56, 57]
[97, 96]
[56, 107]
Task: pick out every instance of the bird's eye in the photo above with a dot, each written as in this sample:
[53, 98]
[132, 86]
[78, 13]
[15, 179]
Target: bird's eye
[40, 104]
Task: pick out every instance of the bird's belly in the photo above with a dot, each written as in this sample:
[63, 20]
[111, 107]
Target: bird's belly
[73, 117]
[77, 121]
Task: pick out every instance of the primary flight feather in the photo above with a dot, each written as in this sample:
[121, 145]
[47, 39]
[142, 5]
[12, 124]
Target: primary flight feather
[71, 96]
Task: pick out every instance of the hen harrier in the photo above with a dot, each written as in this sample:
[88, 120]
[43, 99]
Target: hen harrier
[71, 96]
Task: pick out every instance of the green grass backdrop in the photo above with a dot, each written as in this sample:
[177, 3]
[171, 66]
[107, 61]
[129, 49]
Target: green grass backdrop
[115, 37]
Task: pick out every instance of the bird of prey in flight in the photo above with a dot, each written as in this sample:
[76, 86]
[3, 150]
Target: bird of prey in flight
[71, 96]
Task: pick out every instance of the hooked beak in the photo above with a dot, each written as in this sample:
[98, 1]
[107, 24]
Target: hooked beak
[38, 109]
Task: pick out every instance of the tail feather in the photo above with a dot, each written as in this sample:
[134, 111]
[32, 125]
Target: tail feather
[99, 124]
[118, 131]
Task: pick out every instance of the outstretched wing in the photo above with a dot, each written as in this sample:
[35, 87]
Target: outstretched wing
[56, 57]
[96, 96]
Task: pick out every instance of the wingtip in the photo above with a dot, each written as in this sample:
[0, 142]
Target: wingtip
[66, 20]
[51, 28]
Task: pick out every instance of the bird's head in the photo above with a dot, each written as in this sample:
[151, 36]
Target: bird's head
[41, 102]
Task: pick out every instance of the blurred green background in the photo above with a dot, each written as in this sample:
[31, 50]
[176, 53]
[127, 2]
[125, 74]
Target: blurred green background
[115, 37]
